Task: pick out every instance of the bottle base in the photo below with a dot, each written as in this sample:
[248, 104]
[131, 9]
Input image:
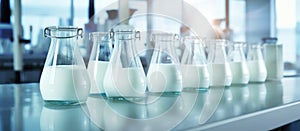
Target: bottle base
[238, 84]
[197, 89]
[169, 93]
[256, 82]
[125, 98]
[63, 103]
[273, 79]
[218, 86]
[97, 95]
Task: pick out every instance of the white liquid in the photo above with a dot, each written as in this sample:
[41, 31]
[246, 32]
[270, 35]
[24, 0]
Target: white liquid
[273, 61]
[258, 71]
[164, 78]
[125, 82]
[240, 72]
[97, 70]
[194, 76]
[64, 83]
[220, 74]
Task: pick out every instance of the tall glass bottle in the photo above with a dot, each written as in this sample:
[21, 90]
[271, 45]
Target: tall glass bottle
[64, 79]
[256, 64]
[238, 63]
[164, 73]
[273, 54]
[194, 64]
[125, 77]
[218, 66]
[99, 59]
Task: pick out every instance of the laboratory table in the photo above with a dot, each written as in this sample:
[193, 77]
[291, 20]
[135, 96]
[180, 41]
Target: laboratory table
[255, 106]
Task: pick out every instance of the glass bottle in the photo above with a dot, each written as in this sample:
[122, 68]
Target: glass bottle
[194, 64]
[125, 77]
[164, 73]
[64, 80]
[273, 54]
[218, 66]
[256, 64]
[99, 60]
[238, 63]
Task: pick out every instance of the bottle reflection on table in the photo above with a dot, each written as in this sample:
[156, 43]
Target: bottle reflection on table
[61, 118]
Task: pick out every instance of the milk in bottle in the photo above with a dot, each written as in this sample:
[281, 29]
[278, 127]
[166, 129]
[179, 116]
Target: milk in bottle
[194, 64]
[256, 64]
[64, 80]
[238, 65]
[164, 74]
[218, 66]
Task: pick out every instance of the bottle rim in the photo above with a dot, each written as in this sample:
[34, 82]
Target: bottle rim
[255, 45]
[237, 44]
[223, 42]
[164, 36]
[195, 40]
[99, 35]
[48, 30]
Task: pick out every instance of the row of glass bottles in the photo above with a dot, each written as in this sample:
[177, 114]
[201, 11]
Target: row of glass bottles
[166, 74]
[119, 72]
[123, 75]
[221, 69]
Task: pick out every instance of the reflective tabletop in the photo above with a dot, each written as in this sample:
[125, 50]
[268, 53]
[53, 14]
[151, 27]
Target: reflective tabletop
[266, 105]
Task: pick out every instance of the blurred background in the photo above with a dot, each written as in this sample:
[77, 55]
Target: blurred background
[237, 20]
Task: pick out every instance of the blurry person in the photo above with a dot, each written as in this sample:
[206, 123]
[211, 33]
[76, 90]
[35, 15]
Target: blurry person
[222, 33]
[217, 27]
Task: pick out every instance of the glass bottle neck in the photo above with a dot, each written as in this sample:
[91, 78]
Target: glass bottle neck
[63, 49]
[164, 41]
[254, 53]
[236, 53]
[125, 35]
[125, 49]
[194, 51]
[165, 47]
[217, 54]
[98, 37]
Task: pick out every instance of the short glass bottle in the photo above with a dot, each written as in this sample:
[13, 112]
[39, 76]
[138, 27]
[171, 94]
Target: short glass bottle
[194, 64]
[125, 77]
[164, 73]
[99, 60]
[273, 55]
[218, 66]
[238, 63]
[64, 80]
[256, 64]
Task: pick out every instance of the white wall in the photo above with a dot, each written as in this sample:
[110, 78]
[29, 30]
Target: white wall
[286, 28]
[167, 15]
[211, 9]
